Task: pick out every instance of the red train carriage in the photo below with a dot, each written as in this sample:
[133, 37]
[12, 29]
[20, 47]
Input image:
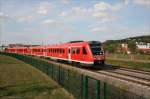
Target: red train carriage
[80, 52]
[37, 51]
[22, 50]
[19, 50]
[11, 50]
[88, 53]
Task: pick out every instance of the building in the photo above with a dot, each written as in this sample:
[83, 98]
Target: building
[144, 47]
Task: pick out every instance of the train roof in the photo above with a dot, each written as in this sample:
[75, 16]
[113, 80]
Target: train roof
[16, 47]
[63, 45]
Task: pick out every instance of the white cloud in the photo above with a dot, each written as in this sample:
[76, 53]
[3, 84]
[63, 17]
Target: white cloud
[102, 6]
[27, 18]
[97, 29]
[126, 2]
[81, 11]
[101, 11]
[109, 29]
[65, 1]
[104, 16]
[4, 18]
[144, 3]
[63, 14]
[52, 23]
[48, 21]
[44, 8]
[58, 25]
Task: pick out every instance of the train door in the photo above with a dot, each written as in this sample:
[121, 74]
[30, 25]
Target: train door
[69, 53]
[75, 53]
[84, 54]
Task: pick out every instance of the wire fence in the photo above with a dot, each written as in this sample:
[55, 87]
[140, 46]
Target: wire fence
[79, 85]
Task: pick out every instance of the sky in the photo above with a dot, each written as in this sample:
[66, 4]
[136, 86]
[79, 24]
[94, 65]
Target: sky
[58, 21]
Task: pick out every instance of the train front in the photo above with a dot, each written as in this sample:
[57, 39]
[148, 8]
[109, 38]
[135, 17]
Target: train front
[97, 52]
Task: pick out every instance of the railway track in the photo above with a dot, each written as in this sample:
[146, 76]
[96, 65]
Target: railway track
[136, 76]
[125, 77]
[131, 75]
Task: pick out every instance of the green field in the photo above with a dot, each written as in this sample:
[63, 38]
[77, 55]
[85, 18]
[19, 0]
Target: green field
[19, 80]
[129, 64]
[133, 57]
[140, 62]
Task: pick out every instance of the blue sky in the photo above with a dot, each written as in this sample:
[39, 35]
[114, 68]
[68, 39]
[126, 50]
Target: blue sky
[55, 21]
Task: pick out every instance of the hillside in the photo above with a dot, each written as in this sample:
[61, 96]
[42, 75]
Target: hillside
[145, 39]
[128, 44]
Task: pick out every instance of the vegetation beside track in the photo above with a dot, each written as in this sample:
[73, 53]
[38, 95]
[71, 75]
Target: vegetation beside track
[20, 80]
[129, 64]
[132, 57]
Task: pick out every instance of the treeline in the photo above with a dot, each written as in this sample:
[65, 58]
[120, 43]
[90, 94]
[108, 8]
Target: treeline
[114, 46]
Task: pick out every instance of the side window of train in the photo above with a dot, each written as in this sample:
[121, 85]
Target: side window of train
[73, 51]
[84, 51]
[78, 51]
[69, 51]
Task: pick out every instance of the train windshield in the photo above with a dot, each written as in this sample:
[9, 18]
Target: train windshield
[96, 48]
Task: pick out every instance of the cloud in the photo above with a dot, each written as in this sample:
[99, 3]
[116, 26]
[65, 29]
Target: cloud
[109, 29]
[27, 18]
[144, 3]
[54, 24]
[103, 6]
[58, 25]
[63, 14]
[65, 1]
[4, 18]
[101, 11]
[104, 16]
[81, 11]
[76, 14]
[44, 8]
[48, 21]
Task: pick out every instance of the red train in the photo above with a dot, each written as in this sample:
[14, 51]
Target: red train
[88, 53]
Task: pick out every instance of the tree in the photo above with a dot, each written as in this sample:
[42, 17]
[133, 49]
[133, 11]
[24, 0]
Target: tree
[132, 46]
[111, 48]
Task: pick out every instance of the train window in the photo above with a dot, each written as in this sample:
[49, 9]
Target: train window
[78, 51]
[73, 51]
[84, 51]
[69, 51]
[60, 50]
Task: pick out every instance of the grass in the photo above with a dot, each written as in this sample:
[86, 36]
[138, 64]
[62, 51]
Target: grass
[19, 80]
[130, 64]
[129, 56]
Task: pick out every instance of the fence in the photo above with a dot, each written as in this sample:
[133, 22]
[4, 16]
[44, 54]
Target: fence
[81, 86]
